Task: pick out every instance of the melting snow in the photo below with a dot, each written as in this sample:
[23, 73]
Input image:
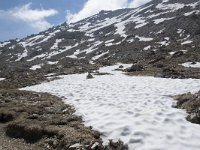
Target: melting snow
[157, 21]
[186, 42]
[4, 44]
[191, 64]
[93, 47]
[55, 46]
[171, 7]
[146, 39]
[1, 79]
[147, 48]
[59, 51]
[160, 31]
[109, 42]
[38, 56]
[192, 12]
[24, 54]
[52, 62]
[180, 31]
[35, 67]
[74, 55]
[121, 29]
[135, 109]
[172, 53]
[98, 56]
[163, 43]
[130, 40]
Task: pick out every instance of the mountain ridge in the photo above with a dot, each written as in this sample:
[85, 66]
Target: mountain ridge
[161, 31]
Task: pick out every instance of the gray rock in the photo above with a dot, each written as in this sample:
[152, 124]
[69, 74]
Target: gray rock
[89, 76]
[136, 67]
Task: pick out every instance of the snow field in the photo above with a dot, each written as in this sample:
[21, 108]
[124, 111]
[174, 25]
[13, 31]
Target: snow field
[138, 110]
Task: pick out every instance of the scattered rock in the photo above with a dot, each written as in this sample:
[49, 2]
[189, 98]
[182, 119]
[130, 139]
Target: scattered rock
[102, 73]
[193, 63]
[170, 73]
[119, 145]
[136, 67]
[40, 117]
[159, 65]
[178, 54]
[89, 76]
[156, 60]
[121, 66]
[191, 103]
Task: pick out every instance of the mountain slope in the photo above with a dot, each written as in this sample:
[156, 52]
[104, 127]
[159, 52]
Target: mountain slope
[161, 30]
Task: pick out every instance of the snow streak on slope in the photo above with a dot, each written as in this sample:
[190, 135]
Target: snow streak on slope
[84, 39]
[135, 109]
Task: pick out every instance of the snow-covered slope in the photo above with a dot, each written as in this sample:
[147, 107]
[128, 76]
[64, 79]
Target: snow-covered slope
[126, 34]
[138, 110]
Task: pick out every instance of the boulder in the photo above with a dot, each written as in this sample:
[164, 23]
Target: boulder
[121, 66]
[89, 76]
[170, 73]
[136, 67]
[178, 54]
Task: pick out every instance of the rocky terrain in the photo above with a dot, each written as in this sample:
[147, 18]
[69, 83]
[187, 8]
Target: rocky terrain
[191, 103]
[161, 35]
[136, 109]
[43, 121]
[160, 38]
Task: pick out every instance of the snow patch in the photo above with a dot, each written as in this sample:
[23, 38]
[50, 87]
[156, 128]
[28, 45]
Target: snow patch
[4, 44]
[191, 64]
[1, 79]
[192, 12]
[146, 39]
[38, 56]
[187, 42]
[171, 7]
[147, 48]
[52, 62]
[35, 67]
[157, 21]
[100, 55]
[55, 45]
[24, 54]
[172, 53]
[138, 110]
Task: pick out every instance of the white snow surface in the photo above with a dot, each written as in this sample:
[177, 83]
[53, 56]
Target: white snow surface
[190, 64]
[146, 39]
[55, 46]
[184, 51]
[1, 79]
[35, 67]
[138, 110]
[147, 48]
[99, 56]
[157, 21]
[4, 44]
[192, 12]
[24, 54]
[186, 42]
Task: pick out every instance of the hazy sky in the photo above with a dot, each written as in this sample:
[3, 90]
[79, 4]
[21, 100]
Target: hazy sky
[19, 18]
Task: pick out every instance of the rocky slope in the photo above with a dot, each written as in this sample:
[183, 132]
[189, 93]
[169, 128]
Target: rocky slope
[191, 103]
[160, 34]
[161, 38]
[42, 121]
